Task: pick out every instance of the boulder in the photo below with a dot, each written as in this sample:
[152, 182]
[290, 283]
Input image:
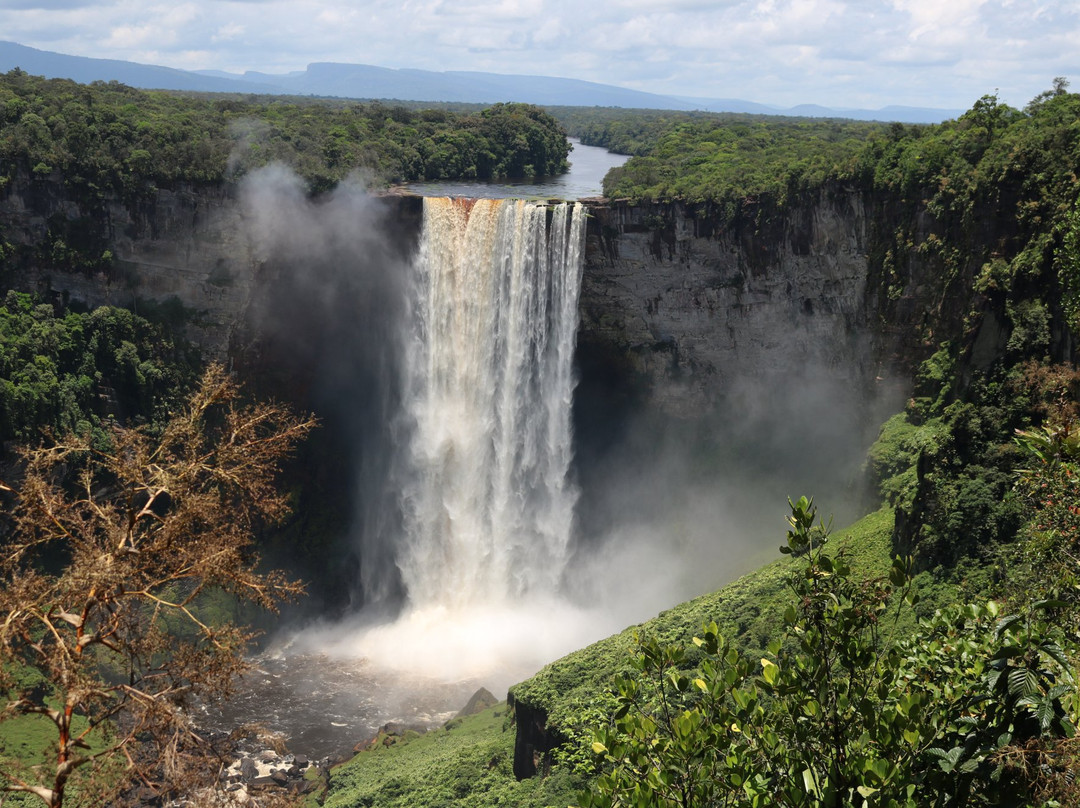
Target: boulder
[248, 770]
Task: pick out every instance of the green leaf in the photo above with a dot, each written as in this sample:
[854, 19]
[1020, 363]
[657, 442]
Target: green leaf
[1005, 623]
[769, 670]
[1023, 682]
[1045, 714]
[898, 574]
[1045, 605]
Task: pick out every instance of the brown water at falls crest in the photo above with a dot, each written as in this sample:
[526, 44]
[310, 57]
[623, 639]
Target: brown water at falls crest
[487, 507]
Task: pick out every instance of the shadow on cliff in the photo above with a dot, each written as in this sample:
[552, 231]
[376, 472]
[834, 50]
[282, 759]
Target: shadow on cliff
[323, 333]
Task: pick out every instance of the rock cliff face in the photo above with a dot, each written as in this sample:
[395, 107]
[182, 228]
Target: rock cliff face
[186, 244]
[691, 305]
[672, 298]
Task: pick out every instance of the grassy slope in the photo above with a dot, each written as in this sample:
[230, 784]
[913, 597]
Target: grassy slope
[28, 741]
[470, 765]
[749, 610]
[467, 766]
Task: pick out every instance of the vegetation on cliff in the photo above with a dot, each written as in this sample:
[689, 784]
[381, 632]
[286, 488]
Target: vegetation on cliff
[70, 371]
[113, 138]
[725, 160]
[847, 707]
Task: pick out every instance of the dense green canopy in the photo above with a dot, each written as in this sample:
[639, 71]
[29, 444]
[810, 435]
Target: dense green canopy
[110, 136]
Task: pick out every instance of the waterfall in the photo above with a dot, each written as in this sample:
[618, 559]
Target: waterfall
[487, 505]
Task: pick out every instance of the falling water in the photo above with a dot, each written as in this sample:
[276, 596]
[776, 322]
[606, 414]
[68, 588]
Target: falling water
[487, 504]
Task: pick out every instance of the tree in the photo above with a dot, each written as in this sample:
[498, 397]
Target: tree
[106, 553]
[840, 712]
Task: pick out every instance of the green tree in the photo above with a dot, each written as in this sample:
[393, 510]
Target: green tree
[843, 710]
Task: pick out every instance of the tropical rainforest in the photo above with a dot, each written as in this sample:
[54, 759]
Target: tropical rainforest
[923, 656]
[110, 137]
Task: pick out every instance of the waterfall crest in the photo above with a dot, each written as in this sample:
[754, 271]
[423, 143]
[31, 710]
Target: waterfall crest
[487, 505]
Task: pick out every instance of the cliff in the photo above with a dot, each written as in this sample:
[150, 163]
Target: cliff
[691, 303]
[186, 245]
[676, 299]
[757, 320]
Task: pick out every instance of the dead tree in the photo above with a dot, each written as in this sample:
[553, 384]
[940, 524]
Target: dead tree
[110, 544]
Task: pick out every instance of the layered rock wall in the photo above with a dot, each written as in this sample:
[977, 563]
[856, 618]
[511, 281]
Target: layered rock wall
[674, 296]
[186, 244]
[693, 305]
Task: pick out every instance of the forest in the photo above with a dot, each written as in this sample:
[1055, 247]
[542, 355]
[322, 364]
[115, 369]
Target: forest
[112, 138]
[924, 656]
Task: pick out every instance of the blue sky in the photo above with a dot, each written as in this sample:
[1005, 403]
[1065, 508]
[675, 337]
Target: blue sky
[839, 53]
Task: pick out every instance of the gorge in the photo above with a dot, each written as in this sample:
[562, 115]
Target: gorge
[682, 314]
[541, 421]
[691, 325]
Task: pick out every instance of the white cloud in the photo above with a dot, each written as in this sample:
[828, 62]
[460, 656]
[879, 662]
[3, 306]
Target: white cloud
[228, 32]
[834, 52]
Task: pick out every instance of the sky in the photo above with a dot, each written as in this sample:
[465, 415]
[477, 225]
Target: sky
[838, 53]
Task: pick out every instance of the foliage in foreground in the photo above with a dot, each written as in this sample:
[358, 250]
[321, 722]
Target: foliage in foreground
[106, 550]
[971, 710]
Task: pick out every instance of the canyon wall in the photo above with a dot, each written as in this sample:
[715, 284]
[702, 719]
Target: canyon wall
[691, 304]
[186, 245]
[679, 301]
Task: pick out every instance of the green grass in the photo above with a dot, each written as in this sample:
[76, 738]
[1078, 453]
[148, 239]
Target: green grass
[467, 766]
[470, 765]
[749, 611]
[28, 742]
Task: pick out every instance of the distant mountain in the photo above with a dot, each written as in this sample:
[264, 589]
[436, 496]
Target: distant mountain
[892, 112]
[85, 70]
[369, 81]
[730, 105]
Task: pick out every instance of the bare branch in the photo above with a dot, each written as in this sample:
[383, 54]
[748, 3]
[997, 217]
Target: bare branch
[155, 521]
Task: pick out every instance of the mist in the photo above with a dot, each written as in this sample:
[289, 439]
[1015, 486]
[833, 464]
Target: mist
[326, 316]
[673, 508]
[667, 509]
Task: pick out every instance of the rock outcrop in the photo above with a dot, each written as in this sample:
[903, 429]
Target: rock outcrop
[186, 245]
[690, 303]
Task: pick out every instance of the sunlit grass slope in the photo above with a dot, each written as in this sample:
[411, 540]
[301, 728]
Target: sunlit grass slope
[471, 763]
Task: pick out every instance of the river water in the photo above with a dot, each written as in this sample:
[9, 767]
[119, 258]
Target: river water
[323, 706]
[588, 165]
